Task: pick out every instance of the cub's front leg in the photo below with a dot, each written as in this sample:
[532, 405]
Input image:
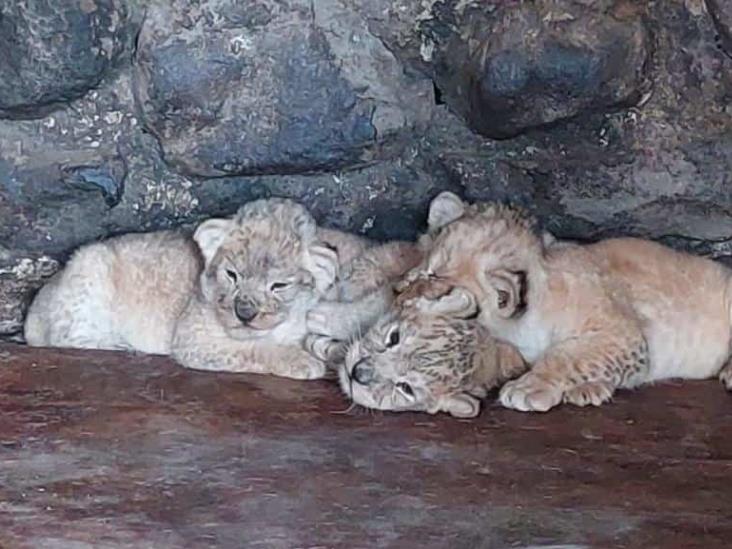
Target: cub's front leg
[365, 293]
[330, 351]
[377, 268]
[250, 357]
[581, 372]
[343, 321]
[200, 342]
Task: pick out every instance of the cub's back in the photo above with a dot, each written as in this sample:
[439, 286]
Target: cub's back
[154, 276]
[682, 299]
[656, 273]
[122, 293]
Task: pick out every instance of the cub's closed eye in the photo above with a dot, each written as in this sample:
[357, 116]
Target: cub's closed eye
[232, 275]
[277, 286]
[405, 388]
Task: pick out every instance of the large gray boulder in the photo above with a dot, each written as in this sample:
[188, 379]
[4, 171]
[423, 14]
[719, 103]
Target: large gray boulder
[242, 88]
[192, 107]
[53, 51]
[530, 64]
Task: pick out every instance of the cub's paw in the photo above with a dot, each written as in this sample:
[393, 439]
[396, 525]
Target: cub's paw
[305, 366]
[529, 393]
[591, 393]
[351, 289]
[725, 376]
[318, 322]
[325, 348]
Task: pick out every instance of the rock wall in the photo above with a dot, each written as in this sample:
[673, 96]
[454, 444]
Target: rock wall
[604, 117]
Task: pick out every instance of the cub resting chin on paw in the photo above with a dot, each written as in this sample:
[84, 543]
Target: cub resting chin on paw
[591, 318]
[233, 298]
[428, 354]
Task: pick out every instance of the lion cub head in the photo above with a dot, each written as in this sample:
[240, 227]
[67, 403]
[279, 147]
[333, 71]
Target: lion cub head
[263, 265]
[427, 354]
[488, 249]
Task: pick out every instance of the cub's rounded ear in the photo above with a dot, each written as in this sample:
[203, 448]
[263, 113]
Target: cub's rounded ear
[548, 239]
[445, 208]
[457, 303]
[209, 236]
[460, 405]
[322, 262]
[510, 291]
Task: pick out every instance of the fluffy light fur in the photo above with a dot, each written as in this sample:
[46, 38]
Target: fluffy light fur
[364, 294]
[618, 313]
[428, 354]
[166, 293]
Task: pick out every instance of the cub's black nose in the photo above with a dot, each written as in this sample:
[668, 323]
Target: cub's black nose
[245, 310]
[362, 373]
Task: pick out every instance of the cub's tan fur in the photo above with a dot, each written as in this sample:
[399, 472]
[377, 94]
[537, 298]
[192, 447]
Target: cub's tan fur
[362, 295]
[591, 318]
[234, 297]
[427, 354]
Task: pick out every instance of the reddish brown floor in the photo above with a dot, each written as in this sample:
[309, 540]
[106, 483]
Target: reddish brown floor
[114, 450]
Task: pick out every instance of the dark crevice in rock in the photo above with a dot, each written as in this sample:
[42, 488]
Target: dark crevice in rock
[93, 178]
[438, 94]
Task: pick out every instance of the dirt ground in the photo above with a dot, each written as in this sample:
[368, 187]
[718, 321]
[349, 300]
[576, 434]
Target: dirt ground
[129, 451]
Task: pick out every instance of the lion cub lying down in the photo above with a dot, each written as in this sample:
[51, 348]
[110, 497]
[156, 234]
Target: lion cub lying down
[234, 297]
[428, 354]
[592, 318]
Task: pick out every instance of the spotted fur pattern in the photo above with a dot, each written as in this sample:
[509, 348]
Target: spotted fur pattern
[427, 354]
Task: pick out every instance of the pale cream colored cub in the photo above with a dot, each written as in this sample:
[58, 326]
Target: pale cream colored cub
[590, 318]
[234, 297]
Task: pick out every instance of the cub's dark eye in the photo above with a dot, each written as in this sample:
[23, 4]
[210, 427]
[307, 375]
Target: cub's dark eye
[393, 338]
[502, 299]
[278, 286]
[232, 275]
[405, 388]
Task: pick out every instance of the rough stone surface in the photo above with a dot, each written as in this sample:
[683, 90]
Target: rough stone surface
[56, 51]
[515, 66]
[270, 87]
[342, 116]
[17, 277]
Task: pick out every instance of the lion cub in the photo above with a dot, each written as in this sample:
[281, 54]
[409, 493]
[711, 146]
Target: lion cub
[234, 297]
[428, 354]
[592, 318]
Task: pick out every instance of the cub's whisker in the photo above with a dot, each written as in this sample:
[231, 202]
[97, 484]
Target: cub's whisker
[345, 411]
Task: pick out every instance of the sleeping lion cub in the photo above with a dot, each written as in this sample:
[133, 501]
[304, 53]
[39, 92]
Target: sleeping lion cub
[428, 354]
[234, 297]
[592, 318]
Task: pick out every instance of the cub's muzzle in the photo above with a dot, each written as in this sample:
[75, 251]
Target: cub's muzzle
[245, 309]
